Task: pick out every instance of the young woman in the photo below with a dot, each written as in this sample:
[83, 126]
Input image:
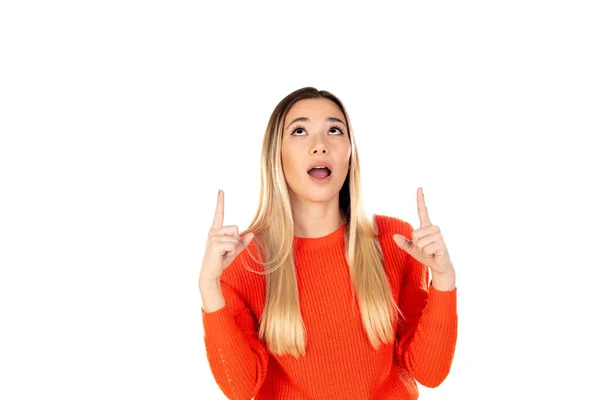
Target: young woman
[315, 300]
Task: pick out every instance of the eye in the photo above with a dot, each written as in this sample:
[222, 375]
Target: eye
[339, 128]
[333, 127]
[296, 129]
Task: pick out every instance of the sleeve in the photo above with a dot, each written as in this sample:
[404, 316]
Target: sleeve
[236, 356]
[427, 336]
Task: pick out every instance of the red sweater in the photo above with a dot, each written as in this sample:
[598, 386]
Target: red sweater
[340, 363]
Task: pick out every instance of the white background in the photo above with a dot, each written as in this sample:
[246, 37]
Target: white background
[120, 120]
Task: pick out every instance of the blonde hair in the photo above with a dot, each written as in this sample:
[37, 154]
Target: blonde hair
[281, 324]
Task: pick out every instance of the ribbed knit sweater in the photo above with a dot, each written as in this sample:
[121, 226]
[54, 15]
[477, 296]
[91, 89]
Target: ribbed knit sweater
[340, 362]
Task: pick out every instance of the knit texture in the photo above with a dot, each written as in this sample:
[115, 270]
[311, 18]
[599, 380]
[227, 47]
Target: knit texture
[340, 362]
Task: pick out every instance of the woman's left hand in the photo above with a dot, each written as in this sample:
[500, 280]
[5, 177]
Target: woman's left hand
[427, 245]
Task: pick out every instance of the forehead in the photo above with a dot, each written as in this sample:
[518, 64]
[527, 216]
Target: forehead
[314, 109]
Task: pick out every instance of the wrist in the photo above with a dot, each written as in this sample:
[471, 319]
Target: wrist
[444, 281]
[209, 284]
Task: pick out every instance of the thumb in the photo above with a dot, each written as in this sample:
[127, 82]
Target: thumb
[242, 244]
[247, 239]
[403, 242]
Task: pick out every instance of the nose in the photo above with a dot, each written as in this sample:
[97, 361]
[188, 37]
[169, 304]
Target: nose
[319, 148]
[319, 144]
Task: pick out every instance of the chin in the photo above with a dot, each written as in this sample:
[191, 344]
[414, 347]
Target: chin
[319, 194]
[318, 198]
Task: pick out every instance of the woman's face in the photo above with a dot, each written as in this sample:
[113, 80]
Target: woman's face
[321, 136]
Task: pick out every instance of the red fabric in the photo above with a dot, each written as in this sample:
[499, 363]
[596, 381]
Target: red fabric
[340, 363]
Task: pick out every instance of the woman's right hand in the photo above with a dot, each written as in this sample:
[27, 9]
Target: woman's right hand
[222, 247]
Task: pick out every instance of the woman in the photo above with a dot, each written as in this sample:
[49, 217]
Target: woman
[314, 300]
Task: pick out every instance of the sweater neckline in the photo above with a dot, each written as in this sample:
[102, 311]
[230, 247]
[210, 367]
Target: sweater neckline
[311, 243]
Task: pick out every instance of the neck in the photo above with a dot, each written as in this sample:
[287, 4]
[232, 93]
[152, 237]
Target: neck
[316, 219]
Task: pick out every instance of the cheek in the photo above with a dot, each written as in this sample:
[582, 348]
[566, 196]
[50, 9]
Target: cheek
[344, 151]
[288, 159]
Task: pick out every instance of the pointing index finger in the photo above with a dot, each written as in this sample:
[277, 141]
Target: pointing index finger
[219, 213]
[423, 214]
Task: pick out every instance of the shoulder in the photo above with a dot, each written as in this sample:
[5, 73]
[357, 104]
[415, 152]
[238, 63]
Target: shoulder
[388, 225]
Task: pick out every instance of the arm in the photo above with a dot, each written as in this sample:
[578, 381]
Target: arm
[237, 358]
[427, 337]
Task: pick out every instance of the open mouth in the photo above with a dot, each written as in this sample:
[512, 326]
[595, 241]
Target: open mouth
[319, 172]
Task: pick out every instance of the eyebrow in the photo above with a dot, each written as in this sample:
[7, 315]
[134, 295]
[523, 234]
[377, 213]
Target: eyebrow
[305, 119]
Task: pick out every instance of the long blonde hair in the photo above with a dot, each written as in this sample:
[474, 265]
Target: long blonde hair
[281, 324]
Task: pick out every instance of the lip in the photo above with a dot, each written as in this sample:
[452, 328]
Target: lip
[323, 180]
[321, 163]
